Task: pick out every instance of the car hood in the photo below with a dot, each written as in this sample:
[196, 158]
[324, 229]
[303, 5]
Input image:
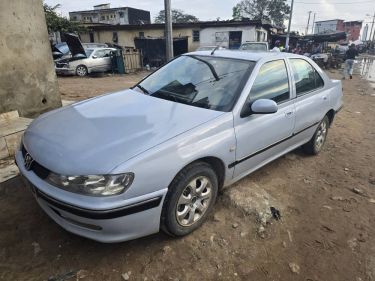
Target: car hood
[95, 136]
[75, 45]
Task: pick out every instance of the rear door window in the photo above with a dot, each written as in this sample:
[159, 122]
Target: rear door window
[272, 82]
[100, 53]
[306, 77]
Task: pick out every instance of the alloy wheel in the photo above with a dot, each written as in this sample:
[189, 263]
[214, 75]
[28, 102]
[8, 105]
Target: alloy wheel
[194, 201]
[321, 136]
[81, 71]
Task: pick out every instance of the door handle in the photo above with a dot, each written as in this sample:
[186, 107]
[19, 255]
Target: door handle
[289, 113]
[325, 98]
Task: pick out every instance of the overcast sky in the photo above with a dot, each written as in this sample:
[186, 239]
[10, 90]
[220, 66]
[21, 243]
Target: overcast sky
[212, 9]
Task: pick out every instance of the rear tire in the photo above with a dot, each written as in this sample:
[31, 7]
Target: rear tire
[316, 144]
[81, 70]
[190, 199]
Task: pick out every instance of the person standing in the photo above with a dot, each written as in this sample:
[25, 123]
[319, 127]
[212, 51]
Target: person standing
[277, 47]
[350, 56]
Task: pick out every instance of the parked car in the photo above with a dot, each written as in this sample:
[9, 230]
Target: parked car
[210, 48]
[124, 165]
[93, 60]
[255, 46]
[82, 61]
[61, 50]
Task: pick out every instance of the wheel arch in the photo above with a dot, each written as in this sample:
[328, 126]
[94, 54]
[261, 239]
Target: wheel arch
[216, 164]
[331, 115]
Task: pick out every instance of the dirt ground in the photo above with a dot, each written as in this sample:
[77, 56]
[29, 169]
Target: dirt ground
[76, 88]
[327, 230]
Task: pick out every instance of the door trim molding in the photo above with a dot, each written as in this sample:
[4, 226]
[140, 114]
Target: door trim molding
[232, 165]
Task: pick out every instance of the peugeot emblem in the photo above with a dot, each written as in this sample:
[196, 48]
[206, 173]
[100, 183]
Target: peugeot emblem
[28, 161]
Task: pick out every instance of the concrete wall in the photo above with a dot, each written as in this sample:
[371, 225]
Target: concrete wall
[207, 35]
[27, 78]
[210, 36]
[126, 37]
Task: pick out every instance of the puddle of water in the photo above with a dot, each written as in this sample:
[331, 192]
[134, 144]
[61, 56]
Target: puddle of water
[366, 68]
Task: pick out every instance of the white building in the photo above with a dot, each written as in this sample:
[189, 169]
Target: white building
[106, 15]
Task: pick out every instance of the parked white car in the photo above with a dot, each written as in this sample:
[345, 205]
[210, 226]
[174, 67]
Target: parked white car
[255, 46]
[95, 60]
[83, 60]
[124, 165]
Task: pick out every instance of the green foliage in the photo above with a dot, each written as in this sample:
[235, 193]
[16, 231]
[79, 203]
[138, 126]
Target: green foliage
[58, 23]
[274, 11]
[178, 16]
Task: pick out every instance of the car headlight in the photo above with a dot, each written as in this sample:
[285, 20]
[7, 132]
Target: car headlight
[100, 185]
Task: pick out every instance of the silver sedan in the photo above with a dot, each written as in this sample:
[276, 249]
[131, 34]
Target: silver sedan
[96, 60]
[124, 165]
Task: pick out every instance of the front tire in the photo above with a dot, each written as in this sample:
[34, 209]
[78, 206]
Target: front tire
[190, 199]
[81, 70]
[316, 144]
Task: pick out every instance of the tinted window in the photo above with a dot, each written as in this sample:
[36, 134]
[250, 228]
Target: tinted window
[271, 83]
[305, 76]
[201, 81]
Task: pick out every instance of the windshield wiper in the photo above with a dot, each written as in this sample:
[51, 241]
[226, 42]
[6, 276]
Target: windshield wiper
[209, 65]
[143, 89]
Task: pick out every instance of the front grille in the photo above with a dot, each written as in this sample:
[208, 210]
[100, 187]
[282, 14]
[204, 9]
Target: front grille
[38, 169]
[61, 65]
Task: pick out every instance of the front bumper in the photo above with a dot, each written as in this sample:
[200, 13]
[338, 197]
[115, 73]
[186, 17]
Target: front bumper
[64, 71]
[134, 219]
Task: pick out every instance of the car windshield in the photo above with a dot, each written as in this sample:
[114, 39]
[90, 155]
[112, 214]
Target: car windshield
[63, 48]
[254, 47]
[201, 81]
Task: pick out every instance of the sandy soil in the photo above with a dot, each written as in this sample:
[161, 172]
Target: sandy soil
[327, 230]
[77, 88]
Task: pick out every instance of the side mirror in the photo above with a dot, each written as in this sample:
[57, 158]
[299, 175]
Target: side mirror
[94, 57]
[264, 106]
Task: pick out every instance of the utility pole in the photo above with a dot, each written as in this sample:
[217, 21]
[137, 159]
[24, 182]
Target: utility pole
[313, 32]
[308, 23]
[289, 24]
[168, 30]
[372, 26]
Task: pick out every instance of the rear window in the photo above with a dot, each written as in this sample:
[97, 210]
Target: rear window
[254, 47]
[306, 77]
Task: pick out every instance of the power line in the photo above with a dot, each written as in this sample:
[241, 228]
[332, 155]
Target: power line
[334, 3]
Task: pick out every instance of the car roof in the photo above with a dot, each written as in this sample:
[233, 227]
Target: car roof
[245, 55]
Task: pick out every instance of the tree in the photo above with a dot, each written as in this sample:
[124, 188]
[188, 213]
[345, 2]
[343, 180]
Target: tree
[57, 23]
[275, 11]
[178, 16]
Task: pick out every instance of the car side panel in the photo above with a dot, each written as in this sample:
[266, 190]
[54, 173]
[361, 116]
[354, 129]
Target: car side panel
[335, 95]
[311, 108]
[258, 133]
